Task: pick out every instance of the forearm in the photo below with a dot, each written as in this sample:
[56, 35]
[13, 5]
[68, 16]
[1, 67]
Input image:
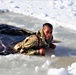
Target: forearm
[29, 52]
[34, 52]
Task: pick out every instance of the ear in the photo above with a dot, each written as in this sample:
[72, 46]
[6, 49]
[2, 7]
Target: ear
[43, 28]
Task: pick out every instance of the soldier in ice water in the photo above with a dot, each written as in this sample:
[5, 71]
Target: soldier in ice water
[35, 44]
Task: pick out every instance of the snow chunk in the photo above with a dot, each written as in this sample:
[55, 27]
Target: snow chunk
[52, 56]
[37, 68]
[72, 69]
[61, 71]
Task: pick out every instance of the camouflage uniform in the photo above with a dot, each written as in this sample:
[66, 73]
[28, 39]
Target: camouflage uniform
[32, 44]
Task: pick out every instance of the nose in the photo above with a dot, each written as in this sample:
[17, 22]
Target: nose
[49, 34]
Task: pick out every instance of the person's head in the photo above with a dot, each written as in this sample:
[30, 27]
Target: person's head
[47, 30]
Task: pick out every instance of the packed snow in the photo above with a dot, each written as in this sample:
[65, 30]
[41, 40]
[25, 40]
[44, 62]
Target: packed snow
[59, 13]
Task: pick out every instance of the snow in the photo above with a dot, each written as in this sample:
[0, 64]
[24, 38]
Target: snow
[72, 69]
[37, 68]
[52, 56]
[59, 13]
[20, 64]
[61, 71]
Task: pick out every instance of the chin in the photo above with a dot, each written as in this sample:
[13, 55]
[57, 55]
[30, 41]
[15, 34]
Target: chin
[47, 38]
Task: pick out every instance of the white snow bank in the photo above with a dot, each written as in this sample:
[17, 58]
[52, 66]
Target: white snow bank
[23, 64]
[72, 69]
[47, 68]
[57, 12]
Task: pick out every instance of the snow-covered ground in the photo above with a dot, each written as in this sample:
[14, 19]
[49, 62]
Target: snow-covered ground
[60, 13]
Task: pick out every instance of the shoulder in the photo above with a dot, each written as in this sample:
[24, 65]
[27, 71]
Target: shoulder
[40, 33]
[33, 37]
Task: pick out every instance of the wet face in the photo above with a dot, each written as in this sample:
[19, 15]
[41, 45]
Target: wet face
[47, 32]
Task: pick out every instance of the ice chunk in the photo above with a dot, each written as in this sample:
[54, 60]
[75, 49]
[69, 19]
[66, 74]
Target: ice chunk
[61, 71]
[37, 68]
[72, 69]
[52, 56]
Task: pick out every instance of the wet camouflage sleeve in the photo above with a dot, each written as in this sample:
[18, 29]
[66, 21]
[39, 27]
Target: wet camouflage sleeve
[30, 42]
[26, 45]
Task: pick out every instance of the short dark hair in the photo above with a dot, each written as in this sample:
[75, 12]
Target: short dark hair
[48, 24]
